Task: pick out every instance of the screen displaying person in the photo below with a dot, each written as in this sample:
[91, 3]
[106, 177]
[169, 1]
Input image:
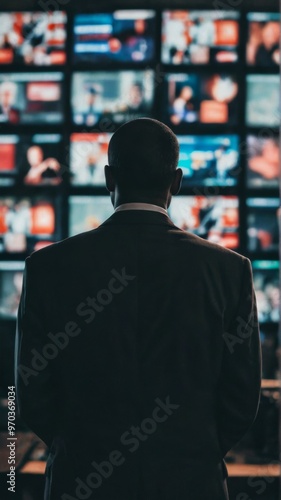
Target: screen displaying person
[9, 113]
[263, 161]
[183, 108]
[9, 302]
[268, 51]
[18, 217]
[136, 103]
[263, 48]
[93, 109]
[40, 170]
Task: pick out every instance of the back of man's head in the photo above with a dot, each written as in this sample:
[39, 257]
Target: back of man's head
[144, 155]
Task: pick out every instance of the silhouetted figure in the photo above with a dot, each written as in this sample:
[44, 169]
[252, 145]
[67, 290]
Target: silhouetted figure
[137, 349]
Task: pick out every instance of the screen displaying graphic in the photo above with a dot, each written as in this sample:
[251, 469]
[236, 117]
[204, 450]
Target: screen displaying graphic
[266, 283]
[263, 162]
[88, 212]
[30, 160]
[119, 96]
[262, 223]
[120, 36]
[88, 156]
[263, 46]
[263, 100]
[209, 160]
[11, 277]
[31, 98]
[215, 218]
[33, 38]
[199, 36]
[26, 224]
[200, 98]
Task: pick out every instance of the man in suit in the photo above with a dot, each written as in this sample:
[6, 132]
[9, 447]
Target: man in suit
[137, 350]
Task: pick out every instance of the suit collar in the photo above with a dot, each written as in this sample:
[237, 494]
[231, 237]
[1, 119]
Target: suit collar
[138, 217]
[141, 206]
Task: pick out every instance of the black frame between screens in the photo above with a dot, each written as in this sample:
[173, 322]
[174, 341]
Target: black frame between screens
[62, 192]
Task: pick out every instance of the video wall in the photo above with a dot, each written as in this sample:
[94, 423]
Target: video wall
[68, 81]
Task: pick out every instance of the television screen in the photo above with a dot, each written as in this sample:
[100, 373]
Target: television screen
[119, 96]
[199, 36]
[262, 222]
[209, 160]
[30, 98]
[11, 277]
[263, 158]
[33, 38]
[269, 345]
[214, 218]
[120, 36]
[263, 46]
[263, 100]
[192, 98]
[88, 212]
[31, 160]
[266, 283]
[26, 224]
[88, 156]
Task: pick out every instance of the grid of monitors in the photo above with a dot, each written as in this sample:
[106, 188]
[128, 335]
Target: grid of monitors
[67, 82]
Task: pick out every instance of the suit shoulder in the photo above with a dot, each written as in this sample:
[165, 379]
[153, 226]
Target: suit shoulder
[63, 250]
[211, 251]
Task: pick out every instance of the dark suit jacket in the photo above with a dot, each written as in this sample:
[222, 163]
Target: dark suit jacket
[138, 360]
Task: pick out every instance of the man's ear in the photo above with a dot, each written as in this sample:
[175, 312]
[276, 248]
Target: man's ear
[109, 179]
[176, 184]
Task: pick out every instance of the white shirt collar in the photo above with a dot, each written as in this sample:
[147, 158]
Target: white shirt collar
[141, 206]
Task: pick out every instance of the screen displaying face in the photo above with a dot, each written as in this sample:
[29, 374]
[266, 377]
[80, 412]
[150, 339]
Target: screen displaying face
[263, 46]
[88, 212]
[214, 218]
[120, 36]
[11, 278]
[30, 160]
[31, 98]
[209, 160]
[88, 156]
[263, 162]
[33, 38]
[194, 98]
[263, 233]
[263, 100]
[26, 224]
[119, 96]
[266, 283]
[199, 36]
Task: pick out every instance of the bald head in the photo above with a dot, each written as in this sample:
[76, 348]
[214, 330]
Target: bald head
[143, 155]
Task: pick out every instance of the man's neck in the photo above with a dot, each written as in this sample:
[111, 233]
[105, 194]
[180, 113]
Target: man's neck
[120, 200]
